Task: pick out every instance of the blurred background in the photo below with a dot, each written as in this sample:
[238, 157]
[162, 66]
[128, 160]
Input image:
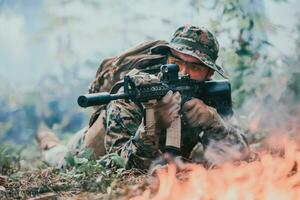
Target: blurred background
[50, 51]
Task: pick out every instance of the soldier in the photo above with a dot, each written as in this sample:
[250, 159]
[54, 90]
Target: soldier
[206, 136]
[195, 51]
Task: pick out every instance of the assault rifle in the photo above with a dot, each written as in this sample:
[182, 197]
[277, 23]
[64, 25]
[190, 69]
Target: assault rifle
[215, 93]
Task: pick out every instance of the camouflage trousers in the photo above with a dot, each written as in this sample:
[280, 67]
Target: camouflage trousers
[56, 155]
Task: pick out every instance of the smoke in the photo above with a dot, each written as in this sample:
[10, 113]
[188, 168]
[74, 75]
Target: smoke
[275, 107]
[219, 152]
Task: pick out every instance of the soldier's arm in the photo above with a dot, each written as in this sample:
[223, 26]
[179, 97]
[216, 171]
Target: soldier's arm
[124, 124]
[222, 141]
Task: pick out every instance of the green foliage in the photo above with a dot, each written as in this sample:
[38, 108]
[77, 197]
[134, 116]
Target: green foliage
[245, 26]
[112, 159]
[253, 74]
[5, 161]
[95, 174]
[9, 159]
[79, 160]
[293, 70]
[82, 174]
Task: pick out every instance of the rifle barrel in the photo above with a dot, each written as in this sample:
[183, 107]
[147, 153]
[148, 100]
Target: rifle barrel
[99, 99]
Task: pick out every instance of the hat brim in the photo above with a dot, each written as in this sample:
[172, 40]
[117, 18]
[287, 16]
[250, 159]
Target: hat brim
[164, 48]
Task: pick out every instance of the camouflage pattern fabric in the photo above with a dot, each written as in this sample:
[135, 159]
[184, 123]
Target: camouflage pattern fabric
[125, 136]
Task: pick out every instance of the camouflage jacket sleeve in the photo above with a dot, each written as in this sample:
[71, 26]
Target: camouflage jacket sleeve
[124, 126]
[224, 141]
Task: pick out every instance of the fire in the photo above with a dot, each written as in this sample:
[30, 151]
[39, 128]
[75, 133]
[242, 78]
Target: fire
[274, 175]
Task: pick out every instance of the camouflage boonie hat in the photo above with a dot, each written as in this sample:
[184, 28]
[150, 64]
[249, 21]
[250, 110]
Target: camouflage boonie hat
[197, 42]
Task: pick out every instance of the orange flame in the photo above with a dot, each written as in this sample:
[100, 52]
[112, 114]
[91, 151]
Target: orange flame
[271, 177]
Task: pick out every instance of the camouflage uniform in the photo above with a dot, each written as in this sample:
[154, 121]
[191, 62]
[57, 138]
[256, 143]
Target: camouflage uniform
[124, 120]
[124, 125]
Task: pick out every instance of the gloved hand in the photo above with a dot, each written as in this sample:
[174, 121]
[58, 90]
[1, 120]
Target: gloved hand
[166, 110]
[198, 114]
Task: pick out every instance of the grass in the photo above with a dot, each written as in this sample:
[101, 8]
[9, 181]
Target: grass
[104, 179]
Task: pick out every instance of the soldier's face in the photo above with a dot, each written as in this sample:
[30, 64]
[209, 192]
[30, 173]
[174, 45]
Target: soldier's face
[190, 65]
